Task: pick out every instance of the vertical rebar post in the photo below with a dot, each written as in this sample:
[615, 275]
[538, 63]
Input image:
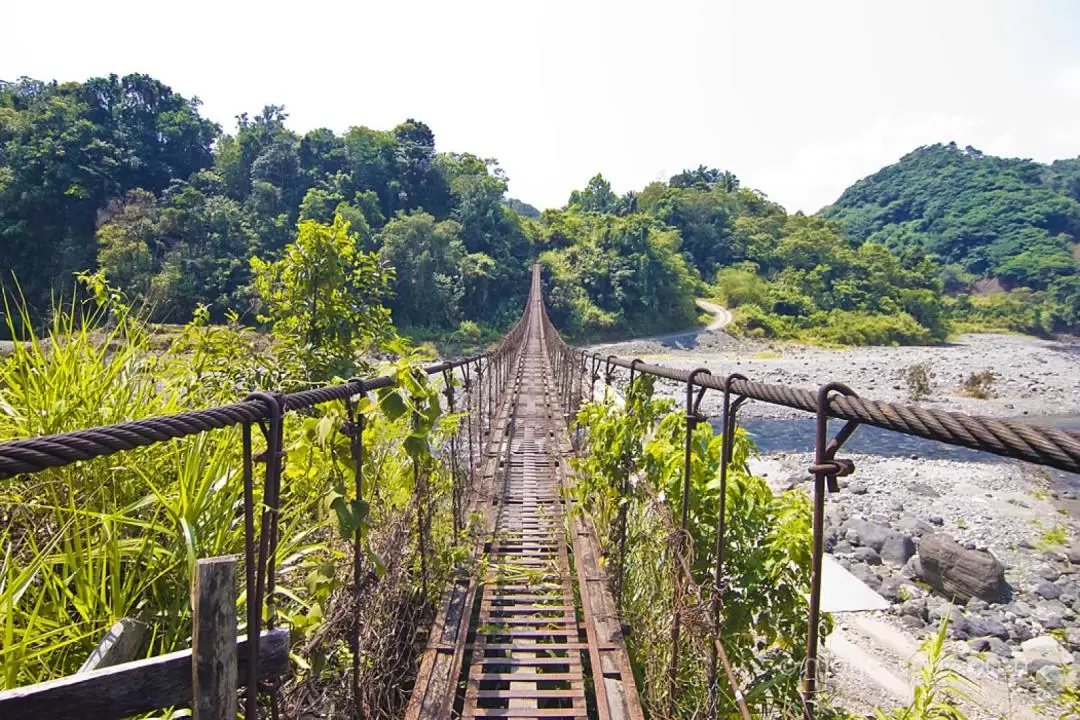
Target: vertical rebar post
[825, 470]
[354, 430]
[272, 433]
[727, 430]
[680, 544]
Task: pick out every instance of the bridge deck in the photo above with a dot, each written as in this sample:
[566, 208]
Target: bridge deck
[538, 637]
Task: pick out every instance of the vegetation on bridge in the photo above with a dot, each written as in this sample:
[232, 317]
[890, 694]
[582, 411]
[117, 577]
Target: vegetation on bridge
[90, 543]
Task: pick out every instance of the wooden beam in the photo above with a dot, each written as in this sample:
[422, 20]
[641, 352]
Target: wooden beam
[133, 688]
[213, 639]
[120, 645]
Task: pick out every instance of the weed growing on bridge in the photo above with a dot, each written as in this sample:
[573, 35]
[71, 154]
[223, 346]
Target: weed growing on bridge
[85, 545]
[632, 463]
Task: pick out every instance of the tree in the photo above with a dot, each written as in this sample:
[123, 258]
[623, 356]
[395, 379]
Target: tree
[427, 258]
[324, 298]
[596, 197]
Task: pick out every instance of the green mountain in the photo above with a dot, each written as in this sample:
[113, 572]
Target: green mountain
[982, 216]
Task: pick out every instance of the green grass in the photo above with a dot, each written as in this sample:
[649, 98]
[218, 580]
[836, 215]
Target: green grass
[1052, 537]
[88, 544]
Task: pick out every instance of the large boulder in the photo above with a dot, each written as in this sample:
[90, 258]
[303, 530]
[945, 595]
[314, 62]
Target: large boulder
[959, 573]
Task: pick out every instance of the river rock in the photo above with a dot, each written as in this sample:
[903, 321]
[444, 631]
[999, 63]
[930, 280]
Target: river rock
[1020, 632]
[1048, 590]
[897, 549]
[863, 532]
[913, 525]
[866, 555]
[913, 568]
[987, 627]
[1073, 554]
[958, 572]
[915, 607]
[1050, 678]
[1045, 648]
[868, 576]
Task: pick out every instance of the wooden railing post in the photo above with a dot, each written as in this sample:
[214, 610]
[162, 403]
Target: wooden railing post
[213, 639]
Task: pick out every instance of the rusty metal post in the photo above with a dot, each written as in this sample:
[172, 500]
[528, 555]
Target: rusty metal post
[594, 375]
[624, 505]
[680, 545]
[272, 432]
[456, 491]
[354, 429]
[825, 470]
[468, 418]
[253, 614]
[727, 430]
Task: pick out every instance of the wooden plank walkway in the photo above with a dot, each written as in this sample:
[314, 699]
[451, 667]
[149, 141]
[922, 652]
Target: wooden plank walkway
[538, 636]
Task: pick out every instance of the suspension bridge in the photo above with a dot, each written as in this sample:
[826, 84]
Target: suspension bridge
[537, 633]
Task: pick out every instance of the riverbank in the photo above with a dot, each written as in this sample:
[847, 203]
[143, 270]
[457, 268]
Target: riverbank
[1019, 650]
[1030, 376]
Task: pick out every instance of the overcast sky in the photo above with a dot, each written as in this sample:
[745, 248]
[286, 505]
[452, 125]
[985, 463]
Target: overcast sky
[798, 98]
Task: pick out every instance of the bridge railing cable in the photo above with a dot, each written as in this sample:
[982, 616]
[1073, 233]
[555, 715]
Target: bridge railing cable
[484, 377]
[577, 371]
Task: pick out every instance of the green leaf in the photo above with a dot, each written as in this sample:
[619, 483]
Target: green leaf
[393, 405]
[417, 447]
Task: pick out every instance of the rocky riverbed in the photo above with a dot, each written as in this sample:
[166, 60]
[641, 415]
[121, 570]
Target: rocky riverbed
[1030, 376]
[1009, 557]
[994, 543]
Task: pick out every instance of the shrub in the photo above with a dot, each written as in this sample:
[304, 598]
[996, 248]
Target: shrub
[846, 327]
[736, 287]
[979, 385]
[918, 381]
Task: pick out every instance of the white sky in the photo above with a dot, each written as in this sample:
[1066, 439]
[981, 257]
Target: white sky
[799, 99]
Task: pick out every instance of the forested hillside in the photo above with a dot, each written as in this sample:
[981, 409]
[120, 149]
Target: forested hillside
[789, 276]
[984, 217]
[125, 176]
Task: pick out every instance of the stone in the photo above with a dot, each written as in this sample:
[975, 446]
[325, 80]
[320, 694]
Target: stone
[1050, 678]
[912, 622]
[1047, 648]
[914, 608]
[987, 627]
[960, 573]
[1020, 632]
[1048, 572]
[937, 520]
[913, 525]
[1073, 554]
[913, 568]
[1048, 590]
[866, 533]
[1072, 638]
[980, 644]
[923, 489]
[857, 488]
[897, 549]
[868, 576]
[890, 588]
[867, 555]
[842, 547]
[999, 647]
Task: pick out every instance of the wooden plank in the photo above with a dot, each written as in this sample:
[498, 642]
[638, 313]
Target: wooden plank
[529, 712]
[213, 639]
[132, 688]
[120, 645]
